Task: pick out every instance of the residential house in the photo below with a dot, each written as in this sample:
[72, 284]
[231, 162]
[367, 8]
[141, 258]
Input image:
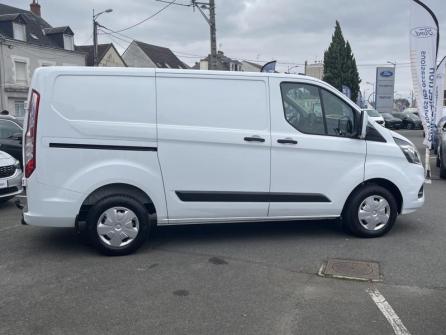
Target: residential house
[224, 63]
[250, 66]
[139, 54]
[27, 42]
[107, 55]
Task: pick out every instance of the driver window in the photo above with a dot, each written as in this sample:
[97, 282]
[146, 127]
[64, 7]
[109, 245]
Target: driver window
[339, 116]
[303, 109]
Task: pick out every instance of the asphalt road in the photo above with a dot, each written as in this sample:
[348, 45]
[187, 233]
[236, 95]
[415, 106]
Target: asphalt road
[225, 279]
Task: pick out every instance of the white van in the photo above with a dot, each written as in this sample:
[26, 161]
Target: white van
[106, 149]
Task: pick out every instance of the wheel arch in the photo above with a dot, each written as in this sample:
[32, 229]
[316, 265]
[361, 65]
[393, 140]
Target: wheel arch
[111, 189]
[387, 184]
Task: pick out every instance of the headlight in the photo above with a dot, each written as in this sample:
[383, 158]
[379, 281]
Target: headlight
[409, 151]
[17, 165]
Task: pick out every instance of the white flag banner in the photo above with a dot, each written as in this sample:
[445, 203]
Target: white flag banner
[440, 117]
[424, 38]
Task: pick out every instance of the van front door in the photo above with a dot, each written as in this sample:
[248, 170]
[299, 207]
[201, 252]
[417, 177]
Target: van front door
[214, 146]
[316, 157]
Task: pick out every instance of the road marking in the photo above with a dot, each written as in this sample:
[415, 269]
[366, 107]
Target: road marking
[388, 311]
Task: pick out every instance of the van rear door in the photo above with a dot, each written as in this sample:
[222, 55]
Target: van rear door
[213, 146]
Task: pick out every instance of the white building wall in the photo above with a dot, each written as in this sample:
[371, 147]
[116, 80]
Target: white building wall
[248, 67]
[135, 57]
[111, 58]
[11, 92]
[315, 70]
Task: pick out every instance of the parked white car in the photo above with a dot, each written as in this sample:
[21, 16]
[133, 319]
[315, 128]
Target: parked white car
[10, 177]
[375, 116]
[106, 147]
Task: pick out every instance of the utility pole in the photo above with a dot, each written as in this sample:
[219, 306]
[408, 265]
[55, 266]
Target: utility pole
[95, 35]
[213, 29]
[95, 41]
[209, 5]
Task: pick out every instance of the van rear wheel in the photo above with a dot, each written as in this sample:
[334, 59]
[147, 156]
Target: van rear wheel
[442, 167]
[118, 225]
[371, 212]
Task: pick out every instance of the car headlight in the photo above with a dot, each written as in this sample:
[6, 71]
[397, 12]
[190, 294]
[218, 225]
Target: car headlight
[409, 151]
[17, 165]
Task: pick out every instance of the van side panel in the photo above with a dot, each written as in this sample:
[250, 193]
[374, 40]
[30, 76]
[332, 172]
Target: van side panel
[207, 163]
[93, 130]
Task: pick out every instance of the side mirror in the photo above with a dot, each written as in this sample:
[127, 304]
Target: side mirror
[362, 125]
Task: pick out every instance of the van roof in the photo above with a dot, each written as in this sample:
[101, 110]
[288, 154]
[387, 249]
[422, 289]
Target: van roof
[151, 71]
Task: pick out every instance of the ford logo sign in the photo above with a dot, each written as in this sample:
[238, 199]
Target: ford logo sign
[386, 74]
[423, 32]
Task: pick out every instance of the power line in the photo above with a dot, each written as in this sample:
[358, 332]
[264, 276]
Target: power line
[129, 39]
[147, 18]
[114, 40]
[126, 40]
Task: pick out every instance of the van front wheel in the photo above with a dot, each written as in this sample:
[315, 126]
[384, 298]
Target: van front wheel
[371, 212]
[118, 225]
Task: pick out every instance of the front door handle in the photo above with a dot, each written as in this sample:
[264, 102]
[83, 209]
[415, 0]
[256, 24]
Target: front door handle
[254, 139]
[286, 141]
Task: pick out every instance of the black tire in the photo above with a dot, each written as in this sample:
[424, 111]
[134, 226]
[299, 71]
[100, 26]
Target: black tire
[5, 199]
[120, 201]
[442, 168]
[350, 217]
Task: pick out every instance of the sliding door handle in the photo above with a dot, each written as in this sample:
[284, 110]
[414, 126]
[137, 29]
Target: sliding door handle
[286, 141]
[254, 139]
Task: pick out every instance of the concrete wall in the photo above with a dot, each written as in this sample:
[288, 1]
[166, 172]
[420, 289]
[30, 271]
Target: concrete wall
[135, 57]
[34, 56]
[111, 58]
[315, 70]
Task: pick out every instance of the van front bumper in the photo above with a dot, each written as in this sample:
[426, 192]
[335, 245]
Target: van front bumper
[414, 195]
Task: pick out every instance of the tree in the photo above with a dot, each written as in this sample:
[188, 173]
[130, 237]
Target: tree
[402, 104]
[340, 64]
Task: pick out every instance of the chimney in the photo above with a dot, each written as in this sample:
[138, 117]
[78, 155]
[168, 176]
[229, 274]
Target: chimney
[35, 8]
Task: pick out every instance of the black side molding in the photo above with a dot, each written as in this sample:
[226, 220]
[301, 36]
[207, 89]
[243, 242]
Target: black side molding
[198, 196]
[101, 147]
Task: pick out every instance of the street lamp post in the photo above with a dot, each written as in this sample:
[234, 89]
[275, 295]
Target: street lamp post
[292, 67]
[95, 35]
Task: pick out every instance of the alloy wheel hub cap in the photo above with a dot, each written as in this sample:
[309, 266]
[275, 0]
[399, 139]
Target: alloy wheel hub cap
[374, 212]
[117, 227]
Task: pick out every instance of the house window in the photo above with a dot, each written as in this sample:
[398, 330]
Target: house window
[68, 42]
[19, 108]
[21, 73]
[19, 31]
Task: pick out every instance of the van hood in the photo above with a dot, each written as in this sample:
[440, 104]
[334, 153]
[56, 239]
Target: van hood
[6, 159]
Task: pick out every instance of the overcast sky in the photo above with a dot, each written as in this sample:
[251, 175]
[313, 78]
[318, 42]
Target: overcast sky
[290, 31]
